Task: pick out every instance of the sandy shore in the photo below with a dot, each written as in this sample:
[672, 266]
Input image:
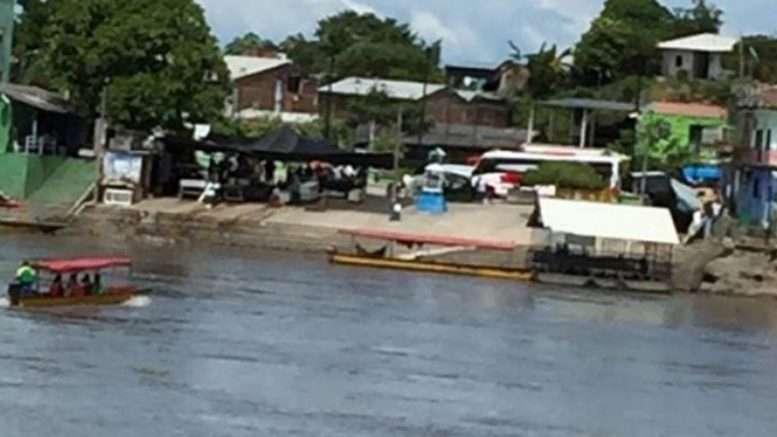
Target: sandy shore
[170, 221]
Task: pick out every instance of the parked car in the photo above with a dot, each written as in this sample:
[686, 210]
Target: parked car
[457, 186]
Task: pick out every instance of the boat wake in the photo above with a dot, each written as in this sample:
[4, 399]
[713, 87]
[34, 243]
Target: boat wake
[4, 303]
[138, 302]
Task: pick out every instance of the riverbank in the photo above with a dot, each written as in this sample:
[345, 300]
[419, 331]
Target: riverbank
[707, 267]
[169, 222]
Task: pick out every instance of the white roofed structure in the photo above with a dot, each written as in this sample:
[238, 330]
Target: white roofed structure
[244, 66]
[704, 42]
[395, 89]
[696, 56]
[608, 221]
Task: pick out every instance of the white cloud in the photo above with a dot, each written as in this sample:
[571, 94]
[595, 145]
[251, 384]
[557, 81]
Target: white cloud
[471, 31]
[359, 7]
[429, 27]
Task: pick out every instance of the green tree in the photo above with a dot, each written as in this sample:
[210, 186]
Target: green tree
[701, 17]
[566, 175]
[548, 70]
[760, 58]
[305, 53]
[29, 41]
[665, 152]
[247, 44]
[623, 41]
[157, 58]
[353, 44]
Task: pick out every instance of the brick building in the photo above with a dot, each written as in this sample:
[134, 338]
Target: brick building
[464, 123]
[270, 86]
[444, 105]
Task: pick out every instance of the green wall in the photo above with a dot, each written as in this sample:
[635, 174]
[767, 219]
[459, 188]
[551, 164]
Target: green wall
[680, 128]
[13, 171]
[6, 125]
[21, 174]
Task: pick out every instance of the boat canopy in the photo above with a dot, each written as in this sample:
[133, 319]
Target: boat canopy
[410, 239]
[608, 221]
[76, 265]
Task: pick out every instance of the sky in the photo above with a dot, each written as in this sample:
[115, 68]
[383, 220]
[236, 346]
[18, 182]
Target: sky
[473, 31]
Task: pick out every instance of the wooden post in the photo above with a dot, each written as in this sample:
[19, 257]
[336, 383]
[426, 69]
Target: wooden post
[531, 125]
[583, 128]
[398, 144]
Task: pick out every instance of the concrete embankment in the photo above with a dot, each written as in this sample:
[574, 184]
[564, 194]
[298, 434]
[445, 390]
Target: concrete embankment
[159, 228]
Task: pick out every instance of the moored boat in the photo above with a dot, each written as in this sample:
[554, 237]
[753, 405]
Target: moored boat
[388, 257]
[76, 293]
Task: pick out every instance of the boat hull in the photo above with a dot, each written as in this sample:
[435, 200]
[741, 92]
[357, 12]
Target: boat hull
[110, 298]
[433, 267]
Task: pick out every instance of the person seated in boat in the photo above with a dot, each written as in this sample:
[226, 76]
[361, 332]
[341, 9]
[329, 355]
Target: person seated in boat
[87, 286]
[26, 276]
[57, 289]
[74, 289]
[98, 284]
[72, 284]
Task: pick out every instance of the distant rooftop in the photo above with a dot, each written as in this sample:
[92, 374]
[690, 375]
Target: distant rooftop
[590, 104]
[689, 109]
[400, 90]
[395, 89]
[244, 66]
[704, 42]
[764, 97]
[37, 98]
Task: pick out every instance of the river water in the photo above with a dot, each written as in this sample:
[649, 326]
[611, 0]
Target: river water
[238, 343]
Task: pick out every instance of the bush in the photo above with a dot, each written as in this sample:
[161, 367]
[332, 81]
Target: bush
[566, 175]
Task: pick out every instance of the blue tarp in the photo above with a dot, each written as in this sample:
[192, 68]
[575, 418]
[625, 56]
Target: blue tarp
[702, 173]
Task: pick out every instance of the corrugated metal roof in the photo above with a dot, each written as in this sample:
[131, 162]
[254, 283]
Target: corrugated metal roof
[704, 42]
[689, 109]
[608, 220]
[244, 66]
[593, 104]
[761, 98]
[470, 136]
[473, 95]
[37, 98]
[395, 89]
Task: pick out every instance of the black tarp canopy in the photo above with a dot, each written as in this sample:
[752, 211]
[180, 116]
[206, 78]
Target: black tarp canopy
[284, 145]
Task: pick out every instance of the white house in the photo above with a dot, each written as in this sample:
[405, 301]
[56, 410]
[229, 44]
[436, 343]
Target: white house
[699, 56]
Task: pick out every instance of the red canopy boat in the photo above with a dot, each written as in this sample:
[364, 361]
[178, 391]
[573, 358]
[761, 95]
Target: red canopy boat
[89, 291]
[7, 202]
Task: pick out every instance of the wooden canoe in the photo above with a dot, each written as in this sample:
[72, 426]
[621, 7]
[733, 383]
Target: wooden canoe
[116, 297]
[433, 267]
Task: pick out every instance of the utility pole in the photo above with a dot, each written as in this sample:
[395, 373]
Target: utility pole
[427, 66]
[7, 18]
[398, 142]
[741, 57]
[646, 151]
[329, 97]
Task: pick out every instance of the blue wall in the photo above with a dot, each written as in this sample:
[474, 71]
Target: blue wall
[757, 191]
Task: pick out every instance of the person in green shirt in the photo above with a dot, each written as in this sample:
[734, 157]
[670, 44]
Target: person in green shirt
[26, 276]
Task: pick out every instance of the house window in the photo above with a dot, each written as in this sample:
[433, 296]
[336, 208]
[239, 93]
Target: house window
[678, 61]
[696, 137]
[759, 139]
[294, 84]
[768, 143]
